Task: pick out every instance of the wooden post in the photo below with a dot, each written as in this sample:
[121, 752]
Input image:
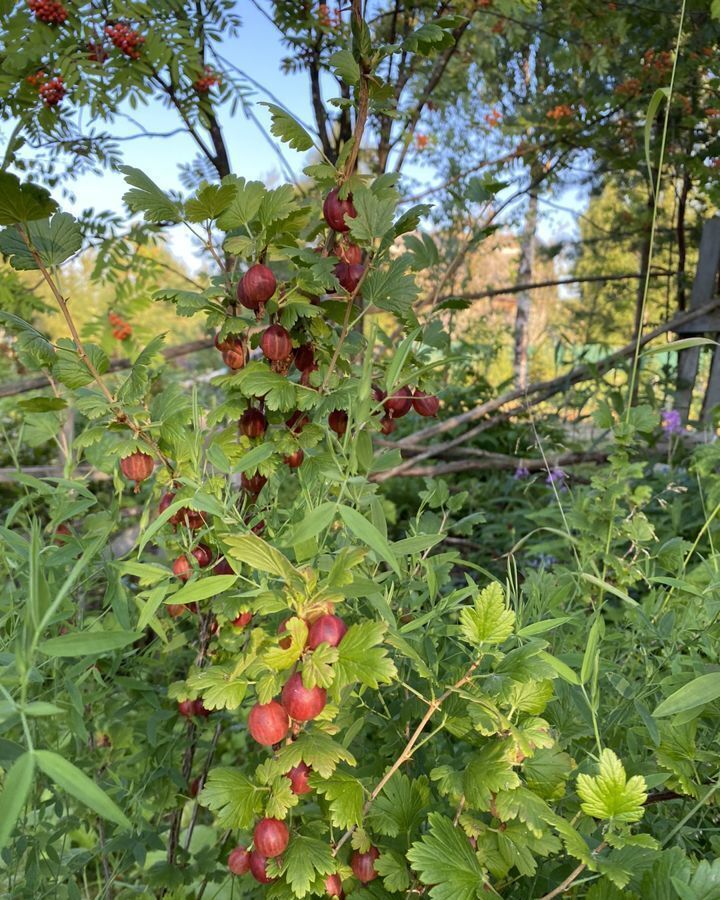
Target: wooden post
[705, 287]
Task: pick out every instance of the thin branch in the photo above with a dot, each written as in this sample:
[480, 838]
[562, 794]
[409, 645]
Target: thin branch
[408, 750]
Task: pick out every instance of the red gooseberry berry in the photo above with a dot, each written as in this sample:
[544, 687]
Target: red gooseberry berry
[268, 723]
[271, 837]
[335, 210]
[239, 861]
[327, 629]
[363, 865]
[302, 704]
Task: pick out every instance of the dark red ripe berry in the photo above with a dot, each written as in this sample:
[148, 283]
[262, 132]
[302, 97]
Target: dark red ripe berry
[425, 404]
[222, 345]
[234, 358]
[137, 467]
[199, 709]
[304, 358]
[182, 568]
[242, 621]
[398, 404]
[271, 837]
[52, 93]
[333, 886]
[378, 394]
[387, 425]
[298, 776]
[297, 421]
[176, 609]
[294, 460]
[276, 343]
[258, 285]
[258, 868]
[242, 299]
[348, 276]
[301, 703]
[326, 630]
[190, 517]
[253, 484]
[239, 861]
[194, 787]
[253, 423]
[363, 865]
[186, 708]
[335, 210]
[338, 421]
[349, 253]
[165, 501]
[268, 723]
[222, 567]
[203, 555]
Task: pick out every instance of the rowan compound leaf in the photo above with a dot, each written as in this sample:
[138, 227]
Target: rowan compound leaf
[360, 659]
[489, 620]
[610, 794]
[317, 750]
[345, 796]
[305, 859]
[233, 798]
[445, 860]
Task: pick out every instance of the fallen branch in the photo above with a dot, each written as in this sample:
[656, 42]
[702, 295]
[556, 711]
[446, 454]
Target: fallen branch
[116, 365]
[539, 391]
[494, 461]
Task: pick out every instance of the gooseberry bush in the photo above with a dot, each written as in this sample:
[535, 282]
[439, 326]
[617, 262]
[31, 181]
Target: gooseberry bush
[267, 695]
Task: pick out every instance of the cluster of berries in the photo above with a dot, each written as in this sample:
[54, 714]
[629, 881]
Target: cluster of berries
[121, 328]
[52, 91]
[203, 84]
[48, 11]
[327, 18]
[561, 111]
[493, 118]
[125, 38]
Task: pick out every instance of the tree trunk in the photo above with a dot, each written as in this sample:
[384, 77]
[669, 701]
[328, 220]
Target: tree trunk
[524, 302]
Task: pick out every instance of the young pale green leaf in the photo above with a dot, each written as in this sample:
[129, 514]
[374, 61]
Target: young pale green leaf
[232, 797]
[445, 860]
[366, 532]
[16, 787]
[305, 859]
[210, 201]
[244, 206]
[288, 129]
[220, 686]
[147, 198]
[360, 658]
[317, 750]
[345, 66]
[611, 795]
[392, 375]
[279, 658]
[258, 554]
[489, 620]
[68, 777]
[252, 459]
[21, 203]
[88, 643]
[318, 667]
[701, 690]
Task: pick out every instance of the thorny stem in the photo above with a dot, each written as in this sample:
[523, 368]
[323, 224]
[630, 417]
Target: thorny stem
[410, 747]
[572, 877]
[363, 101]
[120, 415]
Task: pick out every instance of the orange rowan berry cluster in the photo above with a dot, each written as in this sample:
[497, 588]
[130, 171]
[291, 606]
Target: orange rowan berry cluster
[630, 88]
[421, 141]
[52, 91]
[326, 18]
[96, 52]
[125, 38]
[121, 328]
[660, 62]
[48, 11]
[561, 111]
[493, 118]
[203, 84]
[36, 79]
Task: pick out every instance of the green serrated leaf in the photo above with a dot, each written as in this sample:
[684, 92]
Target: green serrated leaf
[611, 795]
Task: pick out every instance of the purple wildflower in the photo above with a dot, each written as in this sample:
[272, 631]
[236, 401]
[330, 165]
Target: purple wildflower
[521, 472]
[557, 476]
[671, 422]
